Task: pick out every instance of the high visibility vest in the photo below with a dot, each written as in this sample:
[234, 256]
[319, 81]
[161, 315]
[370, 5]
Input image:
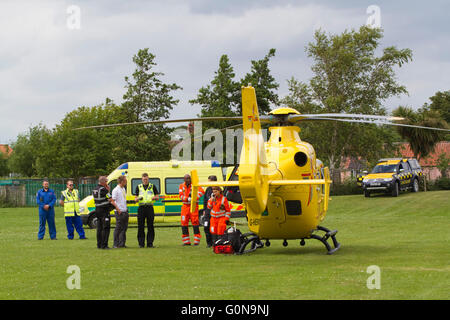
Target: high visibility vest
[146, 195]
[71, 202]
[185, 193]
[101, 201]
[216, 211]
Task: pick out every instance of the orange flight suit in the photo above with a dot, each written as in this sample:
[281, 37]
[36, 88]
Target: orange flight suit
[220, 214]
[186, 215]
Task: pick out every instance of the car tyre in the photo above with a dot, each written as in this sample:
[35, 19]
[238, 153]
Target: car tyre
[415, 187]
[395, 189]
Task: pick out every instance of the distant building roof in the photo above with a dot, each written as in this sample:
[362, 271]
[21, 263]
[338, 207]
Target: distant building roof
[433, 158]
[352, 163]
[6, 149]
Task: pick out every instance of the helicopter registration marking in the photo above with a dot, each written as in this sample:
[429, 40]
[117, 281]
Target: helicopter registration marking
[253, 222]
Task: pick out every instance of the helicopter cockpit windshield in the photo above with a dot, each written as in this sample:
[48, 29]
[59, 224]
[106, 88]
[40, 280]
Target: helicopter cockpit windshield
[385, 168]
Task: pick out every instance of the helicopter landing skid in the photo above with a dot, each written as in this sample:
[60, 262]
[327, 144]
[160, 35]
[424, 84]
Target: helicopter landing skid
[253, 240]
[328, 234]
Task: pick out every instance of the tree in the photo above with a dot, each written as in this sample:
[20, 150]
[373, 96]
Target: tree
[82, 153]
[443, 164]
[27, 149]
[264, 83]
[421, 141]
[440, 102]
[348, 78]
[147, 98]
[4, 169]
[220, 98]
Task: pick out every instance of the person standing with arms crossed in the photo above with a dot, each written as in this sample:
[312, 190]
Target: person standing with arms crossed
[186, 215]
[46, 199]
[103, 205]
[70, 200]
[119, 195]
[146, 194]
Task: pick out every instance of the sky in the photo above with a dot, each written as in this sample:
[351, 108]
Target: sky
[57, 55]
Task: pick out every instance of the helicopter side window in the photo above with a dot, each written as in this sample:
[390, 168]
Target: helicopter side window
[293, 207]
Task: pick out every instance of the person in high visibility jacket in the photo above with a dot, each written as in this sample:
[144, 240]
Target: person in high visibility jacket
[146, 195]
[70, 199]
[220, 213]
[186, 215]
[46, 199]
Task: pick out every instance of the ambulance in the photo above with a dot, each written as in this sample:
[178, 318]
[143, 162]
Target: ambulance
[167, 177]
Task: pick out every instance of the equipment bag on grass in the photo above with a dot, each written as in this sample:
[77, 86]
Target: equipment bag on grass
[229, 243]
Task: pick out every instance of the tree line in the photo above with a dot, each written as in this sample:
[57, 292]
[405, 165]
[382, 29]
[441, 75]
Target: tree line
[348, 77]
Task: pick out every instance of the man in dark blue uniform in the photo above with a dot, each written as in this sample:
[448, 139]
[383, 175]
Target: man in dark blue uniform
[46, 198]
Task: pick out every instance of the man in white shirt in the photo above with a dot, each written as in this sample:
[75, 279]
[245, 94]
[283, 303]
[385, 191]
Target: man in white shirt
[119, 195]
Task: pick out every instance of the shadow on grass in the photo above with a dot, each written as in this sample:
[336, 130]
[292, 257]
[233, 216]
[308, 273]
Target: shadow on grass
[359, 250]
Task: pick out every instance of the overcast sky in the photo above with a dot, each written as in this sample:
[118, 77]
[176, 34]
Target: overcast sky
[49, 67]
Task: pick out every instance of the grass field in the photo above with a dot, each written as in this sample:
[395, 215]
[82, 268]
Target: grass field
[406, 237]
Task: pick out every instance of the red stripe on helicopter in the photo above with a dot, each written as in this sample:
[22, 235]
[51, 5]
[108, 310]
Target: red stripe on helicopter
[309, 197]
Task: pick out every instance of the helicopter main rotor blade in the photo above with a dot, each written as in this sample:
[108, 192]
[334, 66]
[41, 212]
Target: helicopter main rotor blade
[160, 121]
[379, 122]
[299, 117]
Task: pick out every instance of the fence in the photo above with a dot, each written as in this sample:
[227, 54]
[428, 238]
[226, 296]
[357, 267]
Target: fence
[22, 192]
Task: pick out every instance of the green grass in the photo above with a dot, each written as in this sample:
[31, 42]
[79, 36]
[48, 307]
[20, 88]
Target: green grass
[407, 237]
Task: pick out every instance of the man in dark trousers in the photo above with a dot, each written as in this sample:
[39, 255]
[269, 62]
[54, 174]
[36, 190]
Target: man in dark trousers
[103, 205]
[119, 194]
[207, 213]
[146, 193]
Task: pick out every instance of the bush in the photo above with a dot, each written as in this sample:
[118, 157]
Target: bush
[5, 203]
[442, 183]
[348, 187]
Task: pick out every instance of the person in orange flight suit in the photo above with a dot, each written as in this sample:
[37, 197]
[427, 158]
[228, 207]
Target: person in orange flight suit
[186, 215]
[220, 213]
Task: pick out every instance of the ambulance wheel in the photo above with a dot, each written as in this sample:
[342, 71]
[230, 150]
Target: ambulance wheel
[267, 243]
[92, 223]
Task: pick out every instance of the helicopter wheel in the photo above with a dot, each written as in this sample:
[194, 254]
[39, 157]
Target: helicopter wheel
[267, 243]
[285, 243]
[302, 242]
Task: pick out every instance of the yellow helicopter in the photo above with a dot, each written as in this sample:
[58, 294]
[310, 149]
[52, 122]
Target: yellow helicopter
[284, 187]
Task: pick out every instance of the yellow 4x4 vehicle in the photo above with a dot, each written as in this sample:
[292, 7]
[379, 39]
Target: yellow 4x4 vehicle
[392, 176]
